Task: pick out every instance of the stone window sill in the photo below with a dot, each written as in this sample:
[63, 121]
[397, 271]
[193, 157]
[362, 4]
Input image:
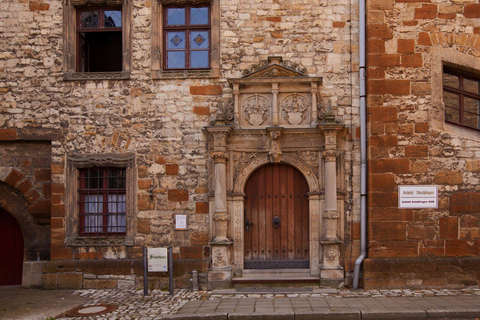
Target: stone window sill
[99, 241]
[123, 75]
[184, 74]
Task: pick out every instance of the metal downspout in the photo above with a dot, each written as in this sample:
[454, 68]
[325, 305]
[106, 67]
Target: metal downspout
[363, 147]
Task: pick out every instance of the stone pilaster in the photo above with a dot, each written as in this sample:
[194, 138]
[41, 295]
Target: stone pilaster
[331, 273]
[220, 273]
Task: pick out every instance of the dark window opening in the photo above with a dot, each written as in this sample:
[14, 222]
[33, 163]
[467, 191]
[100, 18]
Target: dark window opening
[461, 96]
[102, 201]
[99, 40]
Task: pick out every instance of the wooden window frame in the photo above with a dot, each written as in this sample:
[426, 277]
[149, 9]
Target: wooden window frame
[158, 46]
[72, 209]
[187, 28]
[70, 63]
[101, 28]
[105, 191]
[461, 93]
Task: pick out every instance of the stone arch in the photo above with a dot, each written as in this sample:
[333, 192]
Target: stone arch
[237, 213]
[295, 162]
[36, 237]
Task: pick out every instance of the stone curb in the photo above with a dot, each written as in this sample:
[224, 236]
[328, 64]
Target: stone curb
[329, 315]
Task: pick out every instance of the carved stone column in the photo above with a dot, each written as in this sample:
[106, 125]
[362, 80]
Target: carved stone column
[313, 92]
[332, 273]
[220, 273]
[275, 121]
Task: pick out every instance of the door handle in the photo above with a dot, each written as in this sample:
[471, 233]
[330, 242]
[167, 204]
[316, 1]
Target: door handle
[247, 225]
[276, 222]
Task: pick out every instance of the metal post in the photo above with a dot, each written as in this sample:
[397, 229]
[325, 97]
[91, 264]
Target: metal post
[145, 272]
[170, 269]
[194, 280]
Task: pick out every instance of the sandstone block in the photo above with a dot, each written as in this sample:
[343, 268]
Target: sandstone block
[69, 281]
[177, 195]
[448, 227]
[202, 207]
[206, 90]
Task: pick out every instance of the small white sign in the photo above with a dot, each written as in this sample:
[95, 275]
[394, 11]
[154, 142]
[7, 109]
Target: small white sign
[180, 222]
[417, 197]
[157, 259]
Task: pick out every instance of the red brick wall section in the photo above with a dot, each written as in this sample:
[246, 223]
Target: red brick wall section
[418, 247]
[27, 168]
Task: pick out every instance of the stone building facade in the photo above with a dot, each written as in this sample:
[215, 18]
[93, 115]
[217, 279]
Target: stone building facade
[120, 116]
[280, 89]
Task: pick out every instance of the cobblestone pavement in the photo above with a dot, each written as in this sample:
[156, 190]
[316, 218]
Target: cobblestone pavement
[131, 304]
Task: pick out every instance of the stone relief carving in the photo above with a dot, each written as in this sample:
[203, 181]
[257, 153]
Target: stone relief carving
[308, 156]
[244, 159]
[265, 63]
[256, 110]
[295, 109]
[96, 242]
[229, 111]
[331, 255]
[275, 152]
[219, 257]
[331, 214]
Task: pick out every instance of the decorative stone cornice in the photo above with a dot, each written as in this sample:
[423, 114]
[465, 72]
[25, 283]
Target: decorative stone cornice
[101, 160]
[123, 75]
[194, 2]
[95, 2]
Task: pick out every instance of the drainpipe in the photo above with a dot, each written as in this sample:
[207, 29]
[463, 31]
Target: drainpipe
[363, 148]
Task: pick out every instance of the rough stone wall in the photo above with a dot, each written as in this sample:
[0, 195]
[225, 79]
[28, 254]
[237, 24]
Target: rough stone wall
[161, 121]
[410, 144]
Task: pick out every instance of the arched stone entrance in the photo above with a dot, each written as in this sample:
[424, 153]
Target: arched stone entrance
[11, 250]
[313, 203]
[37, 237]
[276, 219]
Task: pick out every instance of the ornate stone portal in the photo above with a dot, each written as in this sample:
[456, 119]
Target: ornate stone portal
[273, 117]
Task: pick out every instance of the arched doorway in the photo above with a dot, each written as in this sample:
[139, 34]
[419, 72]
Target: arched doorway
[11, 250]
[276, 219]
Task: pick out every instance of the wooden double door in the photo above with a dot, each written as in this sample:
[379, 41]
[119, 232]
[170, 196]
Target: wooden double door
[276, 221]
[11, 250]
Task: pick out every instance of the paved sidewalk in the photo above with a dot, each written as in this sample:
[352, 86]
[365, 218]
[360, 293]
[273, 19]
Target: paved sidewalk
[331, 307]
[36, 304]
[240, 304]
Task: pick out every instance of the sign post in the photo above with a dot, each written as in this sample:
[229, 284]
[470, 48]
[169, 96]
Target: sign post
[157, 260]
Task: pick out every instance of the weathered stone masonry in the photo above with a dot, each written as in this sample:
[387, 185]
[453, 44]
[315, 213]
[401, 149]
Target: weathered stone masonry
[159, 122]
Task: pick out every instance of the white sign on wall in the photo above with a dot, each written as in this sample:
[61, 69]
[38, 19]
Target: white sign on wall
[157, 259]
[417, 197]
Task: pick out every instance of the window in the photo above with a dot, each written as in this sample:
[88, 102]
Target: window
[187, 37]
[461, 96]
[99, 39]
[102, 202]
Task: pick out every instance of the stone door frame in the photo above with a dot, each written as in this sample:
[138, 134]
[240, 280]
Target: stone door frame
[237, 201]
